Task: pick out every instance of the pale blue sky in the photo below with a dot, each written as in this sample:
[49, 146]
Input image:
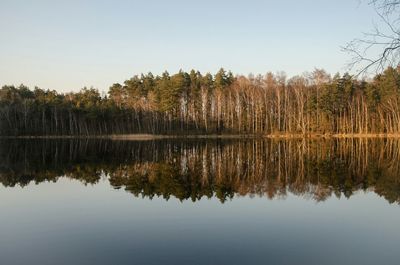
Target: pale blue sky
[65, 45]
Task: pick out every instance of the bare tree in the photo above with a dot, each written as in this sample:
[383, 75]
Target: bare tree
[379, 48]
[387, 6]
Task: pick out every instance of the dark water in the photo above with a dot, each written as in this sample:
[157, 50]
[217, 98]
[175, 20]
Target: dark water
[199, 202]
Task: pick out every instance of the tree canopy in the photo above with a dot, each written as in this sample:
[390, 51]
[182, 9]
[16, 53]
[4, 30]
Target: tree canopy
[195, 103]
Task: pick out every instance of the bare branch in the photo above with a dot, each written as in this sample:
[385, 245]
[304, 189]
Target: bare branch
[379, 48]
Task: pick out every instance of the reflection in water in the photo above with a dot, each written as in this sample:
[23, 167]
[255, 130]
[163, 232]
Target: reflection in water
[192, 169]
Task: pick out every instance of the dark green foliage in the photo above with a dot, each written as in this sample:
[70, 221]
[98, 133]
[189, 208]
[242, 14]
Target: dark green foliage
[192, 103]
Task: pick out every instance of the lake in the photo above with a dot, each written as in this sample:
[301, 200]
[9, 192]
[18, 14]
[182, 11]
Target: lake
[221, 201]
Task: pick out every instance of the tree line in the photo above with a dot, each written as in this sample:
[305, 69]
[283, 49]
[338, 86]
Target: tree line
[195, 103]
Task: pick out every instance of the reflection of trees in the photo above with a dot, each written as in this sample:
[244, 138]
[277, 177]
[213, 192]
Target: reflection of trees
[194, 169]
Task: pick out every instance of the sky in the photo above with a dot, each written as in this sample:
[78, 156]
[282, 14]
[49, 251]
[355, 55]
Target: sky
[66, 45]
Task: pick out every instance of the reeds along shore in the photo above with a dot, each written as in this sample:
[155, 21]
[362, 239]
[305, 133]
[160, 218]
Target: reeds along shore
[144, 137]
[316, 104]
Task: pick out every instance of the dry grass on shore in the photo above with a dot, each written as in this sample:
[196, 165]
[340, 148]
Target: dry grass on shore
[143, 137]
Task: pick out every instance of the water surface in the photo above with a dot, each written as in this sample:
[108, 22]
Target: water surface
[199, 202]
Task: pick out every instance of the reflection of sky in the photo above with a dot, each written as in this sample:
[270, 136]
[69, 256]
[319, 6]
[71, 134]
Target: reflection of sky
[69, 223]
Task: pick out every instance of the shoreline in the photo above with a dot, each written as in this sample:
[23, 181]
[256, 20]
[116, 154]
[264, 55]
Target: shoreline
[140, 137]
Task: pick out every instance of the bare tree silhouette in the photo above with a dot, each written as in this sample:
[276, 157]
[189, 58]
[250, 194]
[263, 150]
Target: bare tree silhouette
[379, 48]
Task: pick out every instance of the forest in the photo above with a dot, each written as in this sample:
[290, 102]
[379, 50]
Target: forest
[195, 103]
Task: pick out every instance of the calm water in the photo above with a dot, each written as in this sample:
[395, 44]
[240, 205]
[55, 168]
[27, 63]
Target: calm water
[199, 202]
